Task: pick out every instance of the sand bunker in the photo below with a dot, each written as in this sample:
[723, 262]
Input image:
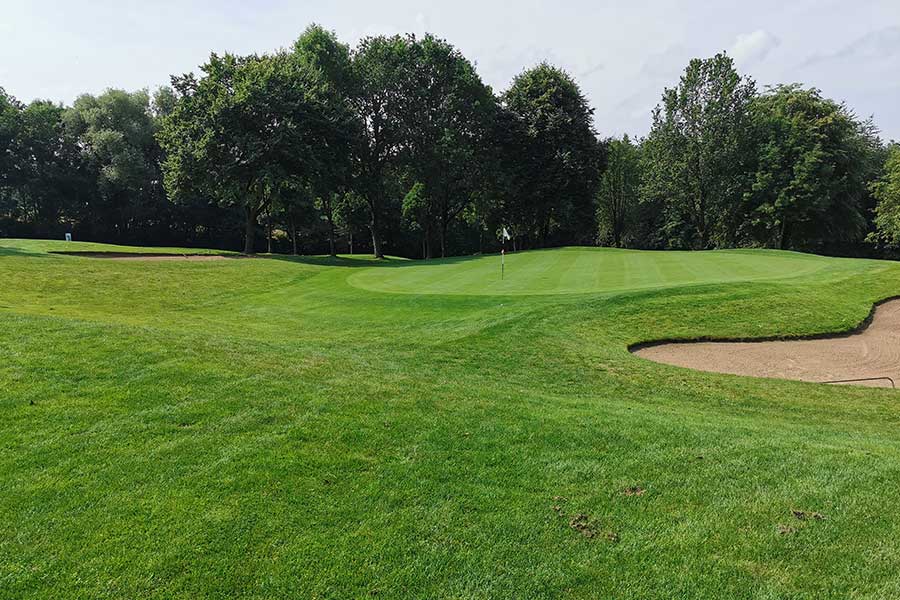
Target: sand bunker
[147, 256]
[873, 351]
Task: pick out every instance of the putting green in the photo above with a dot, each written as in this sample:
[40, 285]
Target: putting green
[585, 270]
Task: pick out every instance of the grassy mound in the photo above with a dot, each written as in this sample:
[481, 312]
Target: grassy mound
[587, 270]
[342, 428]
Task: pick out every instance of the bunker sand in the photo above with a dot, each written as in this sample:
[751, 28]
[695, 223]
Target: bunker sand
[871, 352]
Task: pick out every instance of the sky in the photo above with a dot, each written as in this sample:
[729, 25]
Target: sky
[622, 53]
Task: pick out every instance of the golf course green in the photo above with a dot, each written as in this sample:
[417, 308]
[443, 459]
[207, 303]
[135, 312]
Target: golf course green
[585, 270]
[314, 427]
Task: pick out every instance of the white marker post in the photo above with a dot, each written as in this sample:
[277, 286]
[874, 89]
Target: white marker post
[504, 235]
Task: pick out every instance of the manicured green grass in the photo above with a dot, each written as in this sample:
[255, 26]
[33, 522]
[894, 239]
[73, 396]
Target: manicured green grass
[588, 270]
[342, 428]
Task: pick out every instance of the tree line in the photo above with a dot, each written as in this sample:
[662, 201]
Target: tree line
[725, 166]
[397, 146]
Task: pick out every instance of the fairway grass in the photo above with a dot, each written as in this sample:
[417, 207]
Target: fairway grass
[345, 428]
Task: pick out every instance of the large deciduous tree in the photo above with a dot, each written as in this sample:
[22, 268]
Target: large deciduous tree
[116, 133]
[319, 50]
[886, 190]
[618, 192]
[245, 129]
[55, 183]
[10, 125]
[378, 66]
[561, 157]
[814, 162]
[503, 200]
[444, 115]
[43, 185]
[697, 153]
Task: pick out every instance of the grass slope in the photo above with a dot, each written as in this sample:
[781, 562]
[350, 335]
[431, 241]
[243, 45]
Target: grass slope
[587, 270]
[317, 428]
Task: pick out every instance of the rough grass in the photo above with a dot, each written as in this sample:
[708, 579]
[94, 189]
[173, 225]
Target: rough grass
[289, 428]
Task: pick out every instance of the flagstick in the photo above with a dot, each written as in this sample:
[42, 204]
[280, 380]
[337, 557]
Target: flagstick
[504, 235]
[502, 252]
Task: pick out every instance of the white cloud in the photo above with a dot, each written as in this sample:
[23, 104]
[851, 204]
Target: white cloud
[421, 24]
[874, 45]
[753, 47]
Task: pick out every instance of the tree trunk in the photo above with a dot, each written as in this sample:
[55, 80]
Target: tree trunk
[250, 230]
[268, 234]
[294, 234]
[376, 238]
[443, 238]
[350, 235]
[331, 235]
[701, 218]
[429, 242]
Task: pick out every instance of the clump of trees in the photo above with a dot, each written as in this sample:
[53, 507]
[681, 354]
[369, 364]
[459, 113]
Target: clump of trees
[618, 196]
[398, 146]
[725, 166]
[886, 190]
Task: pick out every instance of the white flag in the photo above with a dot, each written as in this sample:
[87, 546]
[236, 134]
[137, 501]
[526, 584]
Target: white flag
[505, 234]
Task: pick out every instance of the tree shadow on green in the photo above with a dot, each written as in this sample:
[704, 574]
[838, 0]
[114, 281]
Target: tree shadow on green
[15, 251]
[342, 261]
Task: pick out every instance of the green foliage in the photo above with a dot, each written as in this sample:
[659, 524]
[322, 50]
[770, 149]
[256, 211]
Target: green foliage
[350, 215]
[55, 179]
[815, 160]
[44, 180]
[377, 65]
[319, 49]
[501, 202]
[887, 193]
[560, 156]
[619, 192]
[9, 132]
[10, 159]
[115, 131]
[246, 129]
[290, 135]
[418, 212]
[319, 52]
[416, 206]
[444, 116]
[698, 154]
[424, 112]
[163, 102]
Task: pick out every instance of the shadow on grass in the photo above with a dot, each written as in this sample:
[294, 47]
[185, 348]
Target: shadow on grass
[14, 251]
[367, 261]
[142, 255]
[342, 261]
